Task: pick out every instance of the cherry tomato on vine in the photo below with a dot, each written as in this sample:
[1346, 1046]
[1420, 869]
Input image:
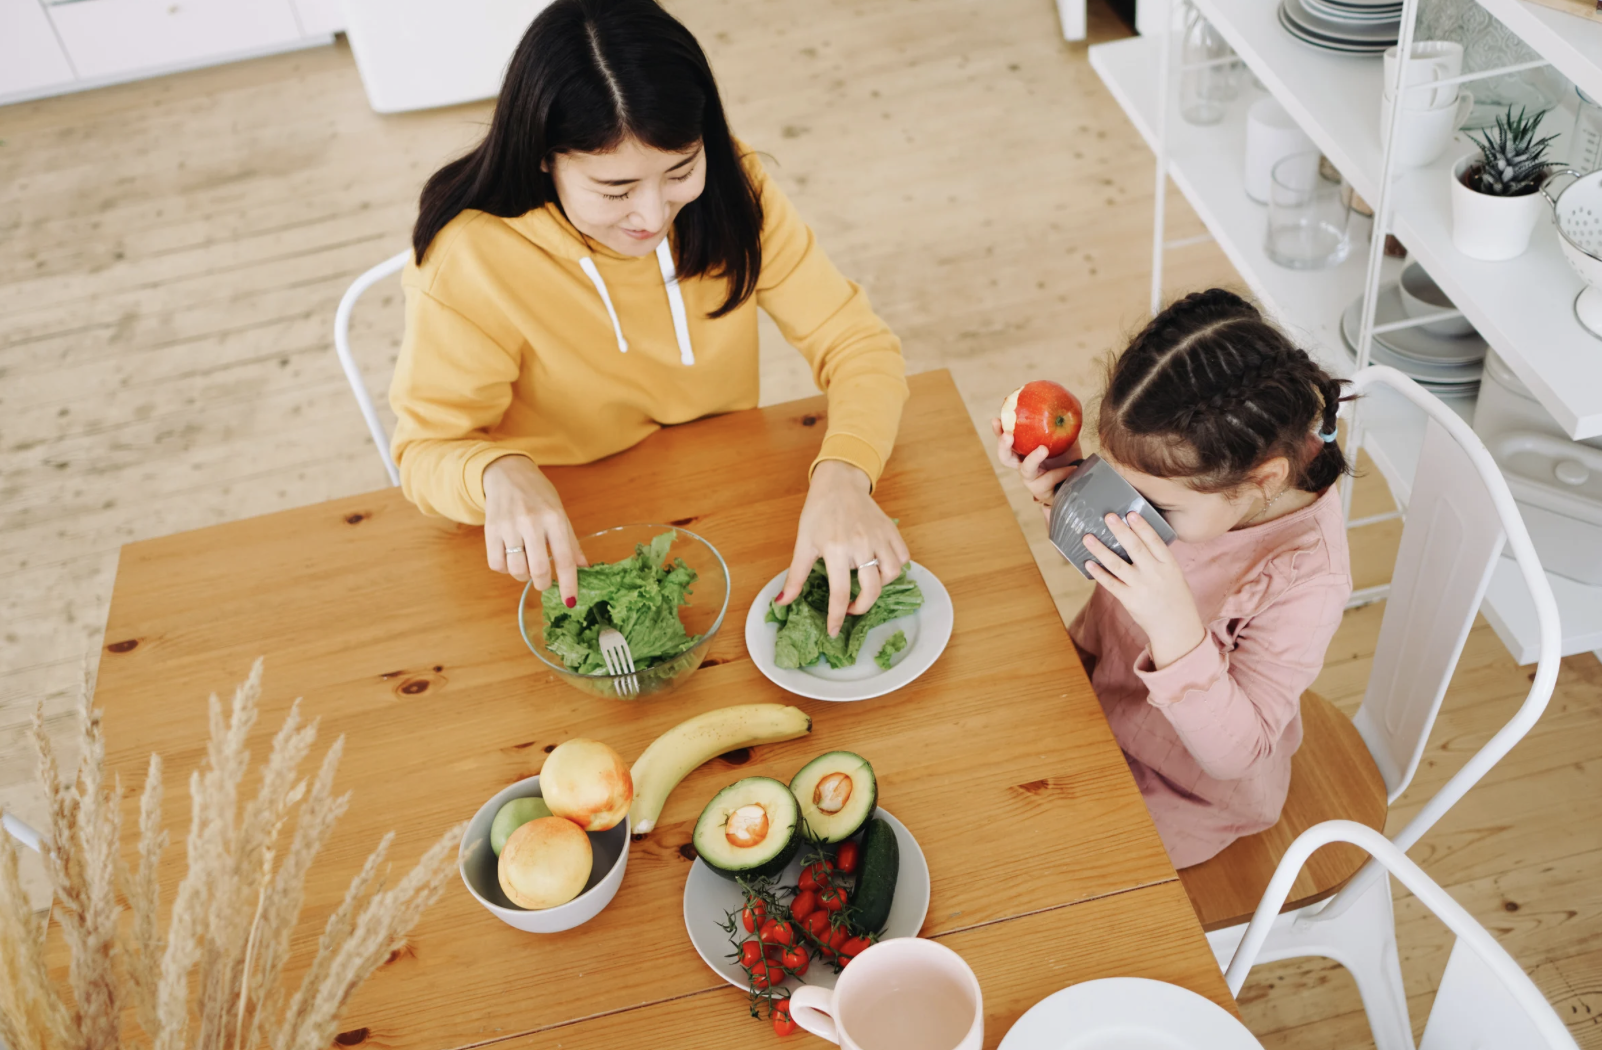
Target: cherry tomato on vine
[750, 954]
[836, 941]
[753, 914]
[816, 875]
[768, 973]
[854, 946]
[846, 859]
[833, 898]
[777, 931]
[782, 1024]
[796, 960]
[805, 903]
[817, 924]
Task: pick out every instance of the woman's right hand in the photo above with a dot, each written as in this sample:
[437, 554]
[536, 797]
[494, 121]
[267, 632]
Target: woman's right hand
[522, 509]
[1040, 476]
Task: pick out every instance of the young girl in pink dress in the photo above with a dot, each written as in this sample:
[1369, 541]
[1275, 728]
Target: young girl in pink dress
[1200, 651]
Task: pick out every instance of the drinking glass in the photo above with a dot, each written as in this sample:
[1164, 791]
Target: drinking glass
[1207, 82]
[1307, 222]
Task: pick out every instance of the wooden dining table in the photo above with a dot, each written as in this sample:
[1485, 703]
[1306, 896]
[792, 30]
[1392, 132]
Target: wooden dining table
[1045, 869]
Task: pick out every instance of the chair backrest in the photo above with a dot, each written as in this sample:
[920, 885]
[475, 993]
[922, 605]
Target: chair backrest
[353, 375]
[1458, 517]
[1451, 541]
[1485, 1001]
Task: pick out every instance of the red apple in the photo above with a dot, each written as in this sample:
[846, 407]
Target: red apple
[1042, 413]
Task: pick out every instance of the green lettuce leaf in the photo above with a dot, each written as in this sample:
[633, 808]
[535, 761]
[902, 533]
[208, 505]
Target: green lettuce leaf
[803, 636]
[639, 596]
[887, 652]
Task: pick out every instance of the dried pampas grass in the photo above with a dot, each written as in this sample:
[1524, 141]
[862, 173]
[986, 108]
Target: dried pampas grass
[232, 916]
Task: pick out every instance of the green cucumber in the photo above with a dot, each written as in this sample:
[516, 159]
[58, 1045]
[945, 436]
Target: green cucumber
[878, 867]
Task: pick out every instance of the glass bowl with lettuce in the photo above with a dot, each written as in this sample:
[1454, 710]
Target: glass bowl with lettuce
[665, 589]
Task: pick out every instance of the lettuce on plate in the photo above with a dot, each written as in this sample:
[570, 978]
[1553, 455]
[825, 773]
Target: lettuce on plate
[803, 637]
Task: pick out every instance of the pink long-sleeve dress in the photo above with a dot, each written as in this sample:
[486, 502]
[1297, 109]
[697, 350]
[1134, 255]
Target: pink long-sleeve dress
[1209, 738]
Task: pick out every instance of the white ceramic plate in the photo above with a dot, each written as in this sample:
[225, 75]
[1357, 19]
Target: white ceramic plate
[1128, 1013]
[928, 631]
[709, 897]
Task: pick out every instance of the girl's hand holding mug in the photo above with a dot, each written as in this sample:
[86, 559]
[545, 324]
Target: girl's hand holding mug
[1151, 587]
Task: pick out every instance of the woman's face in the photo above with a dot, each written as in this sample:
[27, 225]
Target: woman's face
[627, 198]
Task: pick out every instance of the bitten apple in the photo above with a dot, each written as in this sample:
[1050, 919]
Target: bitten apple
[1041, 413]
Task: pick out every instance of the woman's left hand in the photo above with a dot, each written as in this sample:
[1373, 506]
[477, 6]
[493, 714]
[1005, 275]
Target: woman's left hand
[1151, 587]
[841, 524]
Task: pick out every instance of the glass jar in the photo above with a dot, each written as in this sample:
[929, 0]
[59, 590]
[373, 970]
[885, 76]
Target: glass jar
[1208, 82]
[1585, 150]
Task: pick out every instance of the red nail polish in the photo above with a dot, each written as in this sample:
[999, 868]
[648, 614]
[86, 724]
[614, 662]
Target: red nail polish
[572, 602]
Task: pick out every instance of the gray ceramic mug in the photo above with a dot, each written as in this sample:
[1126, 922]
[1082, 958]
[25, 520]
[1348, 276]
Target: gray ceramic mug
[1085, 499]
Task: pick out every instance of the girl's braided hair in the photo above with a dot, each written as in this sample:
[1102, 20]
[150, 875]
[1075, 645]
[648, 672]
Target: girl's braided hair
[1210, 390]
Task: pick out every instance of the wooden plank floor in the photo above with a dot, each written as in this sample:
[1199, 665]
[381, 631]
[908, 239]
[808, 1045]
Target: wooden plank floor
[174, 250]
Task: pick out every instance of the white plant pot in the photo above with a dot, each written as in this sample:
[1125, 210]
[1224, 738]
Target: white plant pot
[1490, 228]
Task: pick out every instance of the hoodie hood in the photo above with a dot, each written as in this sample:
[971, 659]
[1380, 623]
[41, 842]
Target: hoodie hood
[551, 231]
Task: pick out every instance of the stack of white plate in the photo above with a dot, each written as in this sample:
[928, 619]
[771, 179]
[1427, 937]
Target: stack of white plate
[1353, 27]
[1447, 366]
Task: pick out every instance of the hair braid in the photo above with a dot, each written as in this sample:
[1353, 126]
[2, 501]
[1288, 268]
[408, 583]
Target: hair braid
[1209, 390]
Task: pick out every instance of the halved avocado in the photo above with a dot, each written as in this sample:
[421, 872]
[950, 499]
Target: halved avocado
[748, 830]
[837, 793]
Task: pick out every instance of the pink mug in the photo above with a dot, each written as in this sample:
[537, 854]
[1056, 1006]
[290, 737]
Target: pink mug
[901, 994]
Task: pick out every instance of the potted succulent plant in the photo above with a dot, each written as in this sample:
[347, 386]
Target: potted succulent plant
[1495, 198]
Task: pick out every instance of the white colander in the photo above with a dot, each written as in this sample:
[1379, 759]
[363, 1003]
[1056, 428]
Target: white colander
[1577, 211]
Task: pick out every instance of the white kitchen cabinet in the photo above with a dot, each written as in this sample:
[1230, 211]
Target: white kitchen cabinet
[320, 17]
[109, 38]
[31, 57]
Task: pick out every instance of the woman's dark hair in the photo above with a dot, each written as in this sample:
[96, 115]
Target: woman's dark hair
[587, 75]
[1209, 391]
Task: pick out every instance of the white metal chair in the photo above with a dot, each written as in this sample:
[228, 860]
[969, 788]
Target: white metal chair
[1459, 515]
[358, 386]
[1485, 1001]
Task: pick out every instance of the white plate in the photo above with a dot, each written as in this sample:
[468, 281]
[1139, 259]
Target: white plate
[708, 897]
[928, 630]
[1128, 1013]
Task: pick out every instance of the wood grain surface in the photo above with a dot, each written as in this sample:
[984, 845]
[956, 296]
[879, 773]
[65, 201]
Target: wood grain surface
[397, 636]
[1333, 777]
[1143, 933]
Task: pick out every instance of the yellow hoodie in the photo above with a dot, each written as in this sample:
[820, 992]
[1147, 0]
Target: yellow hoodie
[525, 338]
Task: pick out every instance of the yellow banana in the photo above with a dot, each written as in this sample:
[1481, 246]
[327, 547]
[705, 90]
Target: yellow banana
[672, 756]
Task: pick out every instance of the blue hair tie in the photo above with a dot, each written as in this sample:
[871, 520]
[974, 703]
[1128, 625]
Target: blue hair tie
[1327, 438]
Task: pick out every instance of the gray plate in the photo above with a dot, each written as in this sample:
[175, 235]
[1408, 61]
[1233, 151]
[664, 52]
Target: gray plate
[1327, 44]
[1365, 33]
[1089, 495]
[1423, 355]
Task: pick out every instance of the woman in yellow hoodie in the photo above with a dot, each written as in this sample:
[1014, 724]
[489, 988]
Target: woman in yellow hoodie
[592, 271]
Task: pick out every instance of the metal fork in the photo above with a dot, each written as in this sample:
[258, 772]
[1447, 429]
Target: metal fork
[619, 663]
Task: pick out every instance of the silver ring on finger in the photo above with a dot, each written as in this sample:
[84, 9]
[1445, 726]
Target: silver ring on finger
[870, 563]
[514, 550]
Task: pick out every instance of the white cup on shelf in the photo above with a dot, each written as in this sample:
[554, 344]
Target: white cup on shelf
[1271, 136]
[1424, 134]
[1432, 60]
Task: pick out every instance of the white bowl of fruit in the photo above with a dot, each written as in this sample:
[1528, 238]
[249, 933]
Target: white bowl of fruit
[547, 860]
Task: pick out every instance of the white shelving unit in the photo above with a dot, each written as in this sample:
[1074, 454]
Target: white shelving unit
[1524, 308]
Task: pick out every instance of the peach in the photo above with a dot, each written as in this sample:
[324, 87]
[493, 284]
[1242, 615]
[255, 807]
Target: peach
[588, 783]
[544, 863]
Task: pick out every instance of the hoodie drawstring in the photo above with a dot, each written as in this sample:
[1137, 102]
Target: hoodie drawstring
[670, 280]
[588, 266]
[681, 323]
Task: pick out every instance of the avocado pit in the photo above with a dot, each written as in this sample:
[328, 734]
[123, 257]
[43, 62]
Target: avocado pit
[832, 793]
[747, 827]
